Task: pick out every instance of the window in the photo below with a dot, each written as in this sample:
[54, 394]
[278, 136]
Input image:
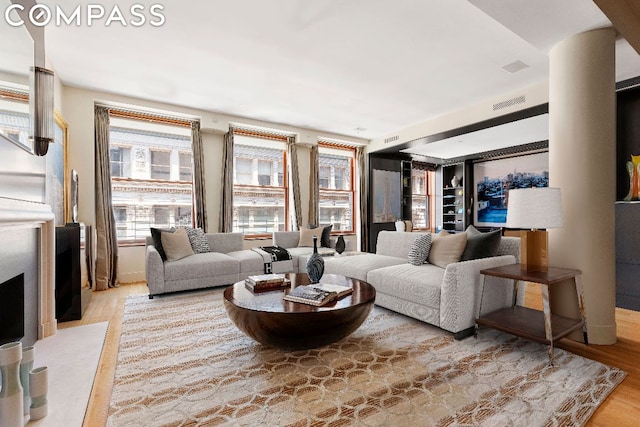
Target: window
[161, 216]
[243, 171]
[264, 172]
[259, 190]
[14, 115]
[336, 170]
[422, 200]
[186, 166]
[161, 165]
[120, 214]
[120, 160]
[151, 176]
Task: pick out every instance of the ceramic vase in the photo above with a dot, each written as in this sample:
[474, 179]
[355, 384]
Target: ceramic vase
[38, 385]
[26, 364]
[455, 181]
[340, 244]
[315, 264]
[11, 410]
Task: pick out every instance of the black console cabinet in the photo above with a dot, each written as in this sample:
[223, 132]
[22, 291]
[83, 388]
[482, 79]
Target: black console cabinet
[68, 273]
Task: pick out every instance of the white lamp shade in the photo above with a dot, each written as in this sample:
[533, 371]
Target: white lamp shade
[534, 208]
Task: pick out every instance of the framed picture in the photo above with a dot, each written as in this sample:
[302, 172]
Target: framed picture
[56, 187]
[494, 178]
[387, 195]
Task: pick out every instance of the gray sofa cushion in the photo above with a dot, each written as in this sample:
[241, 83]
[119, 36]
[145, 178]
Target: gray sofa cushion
[396, 243]
[420, 284]
[201, 265]
[357, 266]
[225, 242]
[286, 239]
[250, 261]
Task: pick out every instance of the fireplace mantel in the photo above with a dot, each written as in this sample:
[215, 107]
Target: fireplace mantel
[16, 214]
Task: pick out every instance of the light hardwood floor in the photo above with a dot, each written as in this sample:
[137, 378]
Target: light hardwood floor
[622, 408]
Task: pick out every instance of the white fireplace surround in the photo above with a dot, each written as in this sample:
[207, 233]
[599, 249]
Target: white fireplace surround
[16, 214]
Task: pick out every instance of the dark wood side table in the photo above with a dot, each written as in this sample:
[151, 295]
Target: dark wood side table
[540, 326]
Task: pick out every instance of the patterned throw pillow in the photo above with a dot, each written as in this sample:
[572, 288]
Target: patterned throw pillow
[198, 240]
[419, 250]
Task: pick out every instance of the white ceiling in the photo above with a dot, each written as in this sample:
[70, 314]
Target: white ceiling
[335, 66]
[520, 132]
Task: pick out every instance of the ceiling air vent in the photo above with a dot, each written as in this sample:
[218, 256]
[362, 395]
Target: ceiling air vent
[515, 66]
[391, 139]
[509, 103]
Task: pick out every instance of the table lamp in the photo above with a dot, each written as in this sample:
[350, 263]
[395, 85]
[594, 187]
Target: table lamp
[536, 209]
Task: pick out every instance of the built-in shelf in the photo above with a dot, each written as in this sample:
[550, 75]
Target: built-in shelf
[453, 198]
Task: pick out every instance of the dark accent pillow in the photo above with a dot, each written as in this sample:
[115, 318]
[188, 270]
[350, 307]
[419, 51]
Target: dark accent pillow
[481, 245]
[419, 250]
[198, 240]
[325, 239]
[157, 240]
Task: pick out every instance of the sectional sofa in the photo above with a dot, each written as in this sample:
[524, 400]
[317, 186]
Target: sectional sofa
[447, 296]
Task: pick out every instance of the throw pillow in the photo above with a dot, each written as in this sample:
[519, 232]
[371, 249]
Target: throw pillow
[306, 236]
[447, 248]
[157, 241]
[481, 245]
[325, 240]
[419, 250]
[176, 245]
[198, 240]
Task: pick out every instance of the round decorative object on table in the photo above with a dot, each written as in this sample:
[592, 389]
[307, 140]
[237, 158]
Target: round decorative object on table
[315, 263]
[340, 244]
[38, 386]
[11, 410]
[28, 355]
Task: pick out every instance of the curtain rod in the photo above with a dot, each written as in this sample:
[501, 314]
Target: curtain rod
[146, 115]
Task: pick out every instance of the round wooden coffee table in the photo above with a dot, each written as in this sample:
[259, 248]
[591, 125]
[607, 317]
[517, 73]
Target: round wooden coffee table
[270, 320]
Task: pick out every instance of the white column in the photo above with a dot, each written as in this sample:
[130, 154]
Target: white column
[582, 151]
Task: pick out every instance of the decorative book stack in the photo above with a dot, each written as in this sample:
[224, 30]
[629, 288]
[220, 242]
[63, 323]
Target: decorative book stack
[317, 294]
[266, 281]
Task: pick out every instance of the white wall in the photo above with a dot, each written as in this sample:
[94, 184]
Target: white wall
[77, 107]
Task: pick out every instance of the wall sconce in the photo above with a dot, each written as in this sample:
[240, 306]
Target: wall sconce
[41, 126]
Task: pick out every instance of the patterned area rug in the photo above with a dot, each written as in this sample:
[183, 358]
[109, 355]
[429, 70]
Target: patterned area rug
[182, 362]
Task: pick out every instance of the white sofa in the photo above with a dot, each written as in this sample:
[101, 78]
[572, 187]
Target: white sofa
[445, 297]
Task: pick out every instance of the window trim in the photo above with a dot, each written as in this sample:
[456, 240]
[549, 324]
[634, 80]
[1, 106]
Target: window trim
[285, 178]
[352, 179]
[153, 118]
[430, 199]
